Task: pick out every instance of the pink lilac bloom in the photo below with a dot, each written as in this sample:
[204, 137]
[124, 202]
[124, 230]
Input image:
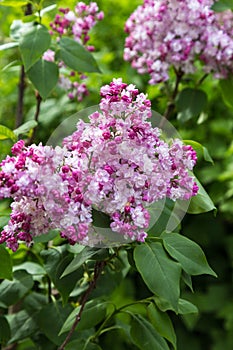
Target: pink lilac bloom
[165, 33]
[77, 25]
[117, 163]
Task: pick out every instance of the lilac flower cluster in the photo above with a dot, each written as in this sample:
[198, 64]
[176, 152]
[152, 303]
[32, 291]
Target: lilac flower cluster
[165, 33]
[75, 24]
[117, 164]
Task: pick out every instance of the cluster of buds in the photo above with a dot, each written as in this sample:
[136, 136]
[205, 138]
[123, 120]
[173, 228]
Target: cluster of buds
[165, 33]
[117, 164]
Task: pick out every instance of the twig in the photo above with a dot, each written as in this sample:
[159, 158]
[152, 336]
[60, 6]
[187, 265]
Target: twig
[171, 104]
[36, 116]
[21, 88]
[97, 271]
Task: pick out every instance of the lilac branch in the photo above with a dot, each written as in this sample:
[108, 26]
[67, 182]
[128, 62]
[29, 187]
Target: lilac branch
[97, 271]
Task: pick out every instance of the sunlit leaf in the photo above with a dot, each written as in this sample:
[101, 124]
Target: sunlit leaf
[6, 133]
[8, 46]
[34, 41]
[201, 203]
[24, 128]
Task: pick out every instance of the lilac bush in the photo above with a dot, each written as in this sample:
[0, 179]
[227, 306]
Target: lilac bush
[117, 164]
[179, 33]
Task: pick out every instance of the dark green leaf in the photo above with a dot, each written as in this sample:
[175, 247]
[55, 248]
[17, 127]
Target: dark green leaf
[5, 331]
[190, 103]
[6, 133]
[50, 320]
[5, 264]
[159, 272]
[24, 128]
[76, 56]
[55, 263]
[34, 41]
[188, 253]
[22, 325]
[100, 219]
[94, 312]
[223, 5]
[163, 216]
[184, 306]
[44, 76]
[34, 301]
[145, 336]
[162, 323]
[226, 86]
[201, 203]
[13, 291]
[187, 280]
[8, 46]
[46, 237]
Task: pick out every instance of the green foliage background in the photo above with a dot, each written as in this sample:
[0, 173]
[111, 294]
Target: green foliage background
[212, 328]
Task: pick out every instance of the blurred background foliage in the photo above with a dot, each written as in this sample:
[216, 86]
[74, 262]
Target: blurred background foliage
[212, 329]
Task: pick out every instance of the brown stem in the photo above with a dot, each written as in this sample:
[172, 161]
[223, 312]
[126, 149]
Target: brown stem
[171, 104]
[36, 117]
[97, 271]
[21, 88]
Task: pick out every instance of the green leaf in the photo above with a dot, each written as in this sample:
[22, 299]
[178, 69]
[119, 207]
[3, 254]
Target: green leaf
[34, 41]
[163, 215]
[31, 267]
[13, 291]
[6, 133]
[159, 272]
[26, 127]
[5, 264]
[47, 9]
[46, 237]
[50, 320]
[22, 325]
[200, 150]
[100, 219]
[80, 259]
[201, 203]
[190, 103]
[5, 331]
[81, 344]
[226, 86]
[184, 306]
[8, 46]
[93, 313]
[17, 28]
[162, 323]
[55, 263]
[145, 336]
[18, 3]
[222, 5]
[188, 253]
[44, 76]
[76, 56]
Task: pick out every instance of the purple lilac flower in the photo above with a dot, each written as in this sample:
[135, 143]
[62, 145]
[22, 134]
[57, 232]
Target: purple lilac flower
[117, 164]
[165, 33]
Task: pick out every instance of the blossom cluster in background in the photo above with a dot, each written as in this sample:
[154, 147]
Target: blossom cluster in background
[165, 33]
[75, 24]
[117, 164]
